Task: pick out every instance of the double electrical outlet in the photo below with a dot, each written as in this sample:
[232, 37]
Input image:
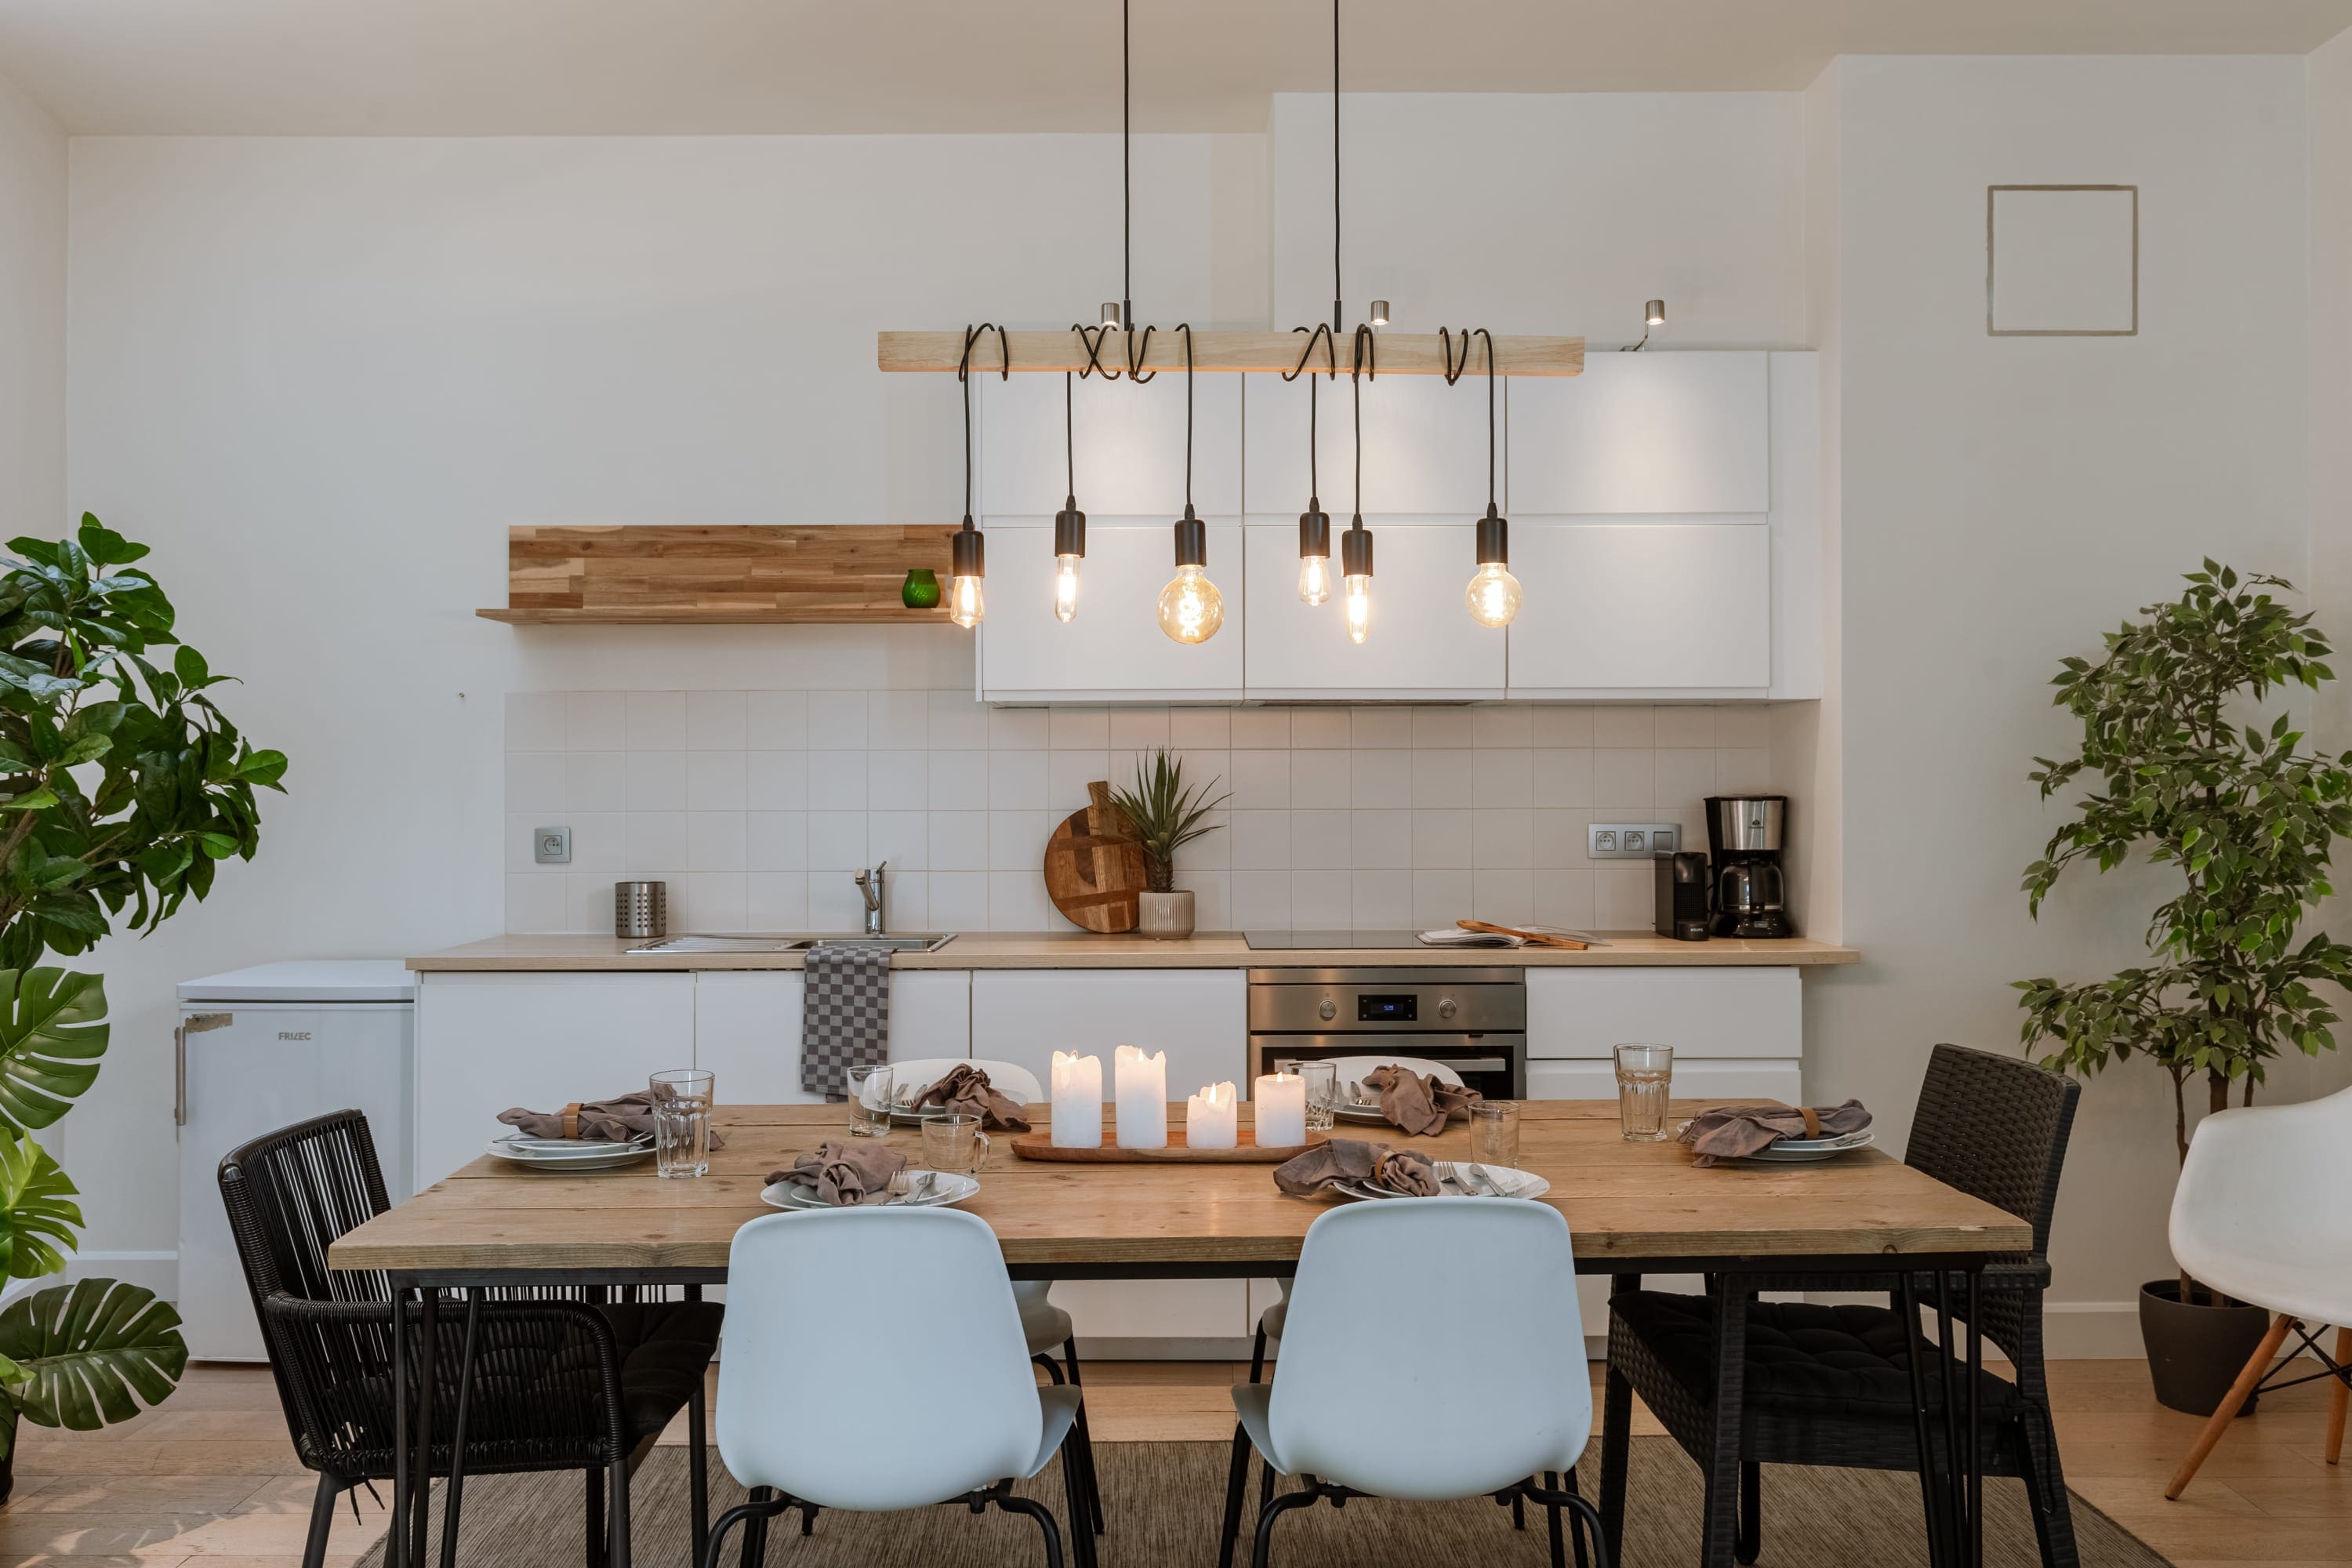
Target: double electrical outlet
[1631, 840]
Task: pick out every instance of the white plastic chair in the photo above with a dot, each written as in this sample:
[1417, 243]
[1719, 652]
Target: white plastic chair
[2238, 1227]
[1350, 1070]
[1046, 1326]
[914, 1313]
[1364, 1402]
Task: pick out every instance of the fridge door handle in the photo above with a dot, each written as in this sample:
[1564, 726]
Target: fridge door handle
[193, 1024]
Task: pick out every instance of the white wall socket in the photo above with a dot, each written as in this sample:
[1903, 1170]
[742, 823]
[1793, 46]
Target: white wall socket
[1631, 840]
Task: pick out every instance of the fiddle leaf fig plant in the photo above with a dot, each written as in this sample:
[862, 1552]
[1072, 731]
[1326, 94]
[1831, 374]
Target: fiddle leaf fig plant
[122, 787]
[2183, 771]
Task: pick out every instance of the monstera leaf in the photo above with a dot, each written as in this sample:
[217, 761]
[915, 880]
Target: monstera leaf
[52, 1031]
[37, 1216]
[93, 1353]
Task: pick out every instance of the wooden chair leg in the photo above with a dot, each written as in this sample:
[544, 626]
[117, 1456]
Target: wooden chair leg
[2227, 1411]
[2340, 1395]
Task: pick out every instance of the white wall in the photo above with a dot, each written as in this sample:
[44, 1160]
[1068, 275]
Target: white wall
[2003, 500]
[322, 377]
[32, 317]
[1549, 213]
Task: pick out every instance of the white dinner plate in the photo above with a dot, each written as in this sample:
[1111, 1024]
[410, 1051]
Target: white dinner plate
[570, 1154]
[1373, 1114]
[947, 1192]
[1803, 1151]
[1514, 1182]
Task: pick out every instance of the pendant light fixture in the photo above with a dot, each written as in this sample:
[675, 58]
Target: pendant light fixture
[1069, 523]
[1314, 525]
[1191, 609]
[1356, 544]
[1494, 595]
[967, 549]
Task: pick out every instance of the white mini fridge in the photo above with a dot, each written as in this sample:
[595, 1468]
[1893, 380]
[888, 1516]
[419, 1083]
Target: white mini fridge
[259, 1049]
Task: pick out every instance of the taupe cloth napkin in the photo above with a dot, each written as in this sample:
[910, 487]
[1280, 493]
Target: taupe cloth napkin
[1353, 1159]
[966, 1089]
[1420, 1103]
[1736, 1131]
[845, 1173]
[630, 1116]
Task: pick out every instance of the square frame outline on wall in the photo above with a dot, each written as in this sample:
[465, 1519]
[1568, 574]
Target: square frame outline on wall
[1993, 192]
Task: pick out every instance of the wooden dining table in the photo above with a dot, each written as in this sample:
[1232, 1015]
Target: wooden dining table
[1633, 1208]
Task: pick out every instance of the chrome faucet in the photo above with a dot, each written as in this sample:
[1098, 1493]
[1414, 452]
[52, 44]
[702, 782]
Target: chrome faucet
[869, 886]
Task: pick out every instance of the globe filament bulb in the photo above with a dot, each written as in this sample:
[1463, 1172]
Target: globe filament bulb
[1494, 596]
[1191, 609]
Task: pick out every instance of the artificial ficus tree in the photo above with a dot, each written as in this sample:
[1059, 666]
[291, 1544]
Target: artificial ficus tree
[2183, 769]
[122, 786]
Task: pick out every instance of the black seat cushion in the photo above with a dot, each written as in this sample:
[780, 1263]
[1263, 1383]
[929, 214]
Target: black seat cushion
[1803, 1358]
[666, 1348]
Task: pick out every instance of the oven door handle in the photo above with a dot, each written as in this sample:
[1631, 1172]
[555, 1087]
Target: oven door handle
[1472, 1064]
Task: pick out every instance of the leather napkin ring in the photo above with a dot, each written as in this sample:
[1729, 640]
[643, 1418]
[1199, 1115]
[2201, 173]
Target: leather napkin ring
[1812, 1121]
[572, 1120]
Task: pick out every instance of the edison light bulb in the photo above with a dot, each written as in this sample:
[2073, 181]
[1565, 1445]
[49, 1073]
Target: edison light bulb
[964, 602]
[1191, 609]
[1359, 608]
[1494, 596]
[1066, 586]
[1313, 579]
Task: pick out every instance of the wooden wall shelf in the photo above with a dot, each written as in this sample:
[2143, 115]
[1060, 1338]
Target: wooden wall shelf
[659, 574]
[1397, 353]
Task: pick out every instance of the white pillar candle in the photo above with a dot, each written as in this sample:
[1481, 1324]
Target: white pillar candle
[1211, 1117]
[1142, 1096]
[1281, 1110]
[1077, 1101]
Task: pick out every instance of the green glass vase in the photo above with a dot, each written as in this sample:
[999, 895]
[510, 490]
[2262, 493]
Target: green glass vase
[921, 589]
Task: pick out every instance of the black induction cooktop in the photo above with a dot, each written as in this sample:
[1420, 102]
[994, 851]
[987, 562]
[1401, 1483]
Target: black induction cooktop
[1282, 941]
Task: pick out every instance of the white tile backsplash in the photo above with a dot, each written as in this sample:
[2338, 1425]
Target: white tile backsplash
[756, 805]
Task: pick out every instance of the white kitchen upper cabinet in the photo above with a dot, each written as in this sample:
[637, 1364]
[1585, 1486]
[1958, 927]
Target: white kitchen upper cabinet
[1199, 1016]
[1655, 432]
[1705, 1013]
[489, 1041]
[1425, 445]
[1797, 591]
[1422, 643]
[747, 1028]
[1114, 648]
[1638, 608]
[1128, 446]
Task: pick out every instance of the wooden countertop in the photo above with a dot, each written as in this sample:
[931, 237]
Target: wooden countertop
[1081, 950]
[1623, 1201]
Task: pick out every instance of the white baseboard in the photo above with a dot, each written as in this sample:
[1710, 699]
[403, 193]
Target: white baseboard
[2091, 1331]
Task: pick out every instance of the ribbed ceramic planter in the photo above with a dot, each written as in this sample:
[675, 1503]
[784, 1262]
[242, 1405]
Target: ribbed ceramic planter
[1166, 916]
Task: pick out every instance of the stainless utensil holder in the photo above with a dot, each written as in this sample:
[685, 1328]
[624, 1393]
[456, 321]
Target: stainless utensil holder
[640, 909]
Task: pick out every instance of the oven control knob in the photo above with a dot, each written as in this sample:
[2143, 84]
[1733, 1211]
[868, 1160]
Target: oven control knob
[1445, 1008]
[1329, 1009]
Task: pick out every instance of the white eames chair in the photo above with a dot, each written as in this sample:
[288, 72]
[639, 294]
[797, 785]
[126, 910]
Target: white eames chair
[1046, 1326]
[1366, 1400]
[846, 1321]
[2259, 1216]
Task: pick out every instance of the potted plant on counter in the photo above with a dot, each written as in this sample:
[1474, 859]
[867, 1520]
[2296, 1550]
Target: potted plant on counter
[1167, 813]
[2186, 772]
[121, 785]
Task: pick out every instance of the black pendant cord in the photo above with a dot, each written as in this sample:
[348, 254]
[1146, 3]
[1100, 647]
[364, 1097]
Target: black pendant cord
[1365, 368]
[1126, 178]
[1490, 409]
[1070, 432]
[964, 374]
[1319, 333]
[1186, 328]
[1314, 481]
[1336, 295]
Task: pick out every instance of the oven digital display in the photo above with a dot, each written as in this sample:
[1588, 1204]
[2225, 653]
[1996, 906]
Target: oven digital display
[1399, 1009]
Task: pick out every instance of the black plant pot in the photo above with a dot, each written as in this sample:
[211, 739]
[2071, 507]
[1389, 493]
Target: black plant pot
[2195, 1351]
[7, 1473]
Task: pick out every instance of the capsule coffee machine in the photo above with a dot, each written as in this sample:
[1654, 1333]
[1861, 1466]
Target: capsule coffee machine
[1743, 840]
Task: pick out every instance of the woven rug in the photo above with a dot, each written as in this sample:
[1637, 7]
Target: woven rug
[1163, 1502]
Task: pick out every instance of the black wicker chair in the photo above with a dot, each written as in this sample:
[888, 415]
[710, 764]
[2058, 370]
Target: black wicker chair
[558, 1384]
[1832, 1385]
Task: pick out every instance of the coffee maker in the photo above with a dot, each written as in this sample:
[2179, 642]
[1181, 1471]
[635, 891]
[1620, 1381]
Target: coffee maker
[1743, 840]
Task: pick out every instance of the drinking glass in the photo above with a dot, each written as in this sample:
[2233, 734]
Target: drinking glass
[1645, 1076]
[682, 1101]
[955, 1143]
[1322, 1079]
[869, 1101]
[1495, 1133]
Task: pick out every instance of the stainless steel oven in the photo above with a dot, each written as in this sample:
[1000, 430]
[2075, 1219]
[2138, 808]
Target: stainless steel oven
[1472, 1020]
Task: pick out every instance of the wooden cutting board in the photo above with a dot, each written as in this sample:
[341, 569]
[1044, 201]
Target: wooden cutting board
[1094, 866]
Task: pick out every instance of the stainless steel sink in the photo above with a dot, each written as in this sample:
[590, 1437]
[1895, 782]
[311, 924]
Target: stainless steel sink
[909, 941]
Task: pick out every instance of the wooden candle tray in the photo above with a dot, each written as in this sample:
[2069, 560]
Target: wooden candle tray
[1040, 1146]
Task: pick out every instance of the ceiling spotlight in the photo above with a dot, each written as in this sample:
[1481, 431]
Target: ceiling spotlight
[1112, 318]
[1380, 312]
[1654, 316]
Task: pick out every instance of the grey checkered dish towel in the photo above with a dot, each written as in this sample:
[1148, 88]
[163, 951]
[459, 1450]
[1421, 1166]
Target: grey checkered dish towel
[845, 1016]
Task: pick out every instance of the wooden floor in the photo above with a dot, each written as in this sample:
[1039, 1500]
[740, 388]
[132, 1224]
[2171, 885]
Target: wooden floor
[210, 1480]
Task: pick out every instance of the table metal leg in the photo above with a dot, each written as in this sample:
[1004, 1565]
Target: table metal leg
[1722, 1508]
[1947, 1367]
[1616, 1441]
[698, 1464]
[1976, 1459]
[458, 1431]
[1907, 1300]
[395, 1540]
[428, 1347]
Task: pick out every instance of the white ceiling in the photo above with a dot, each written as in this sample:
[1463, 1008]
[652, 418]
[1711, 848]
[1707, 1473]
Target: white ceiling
[638, 67]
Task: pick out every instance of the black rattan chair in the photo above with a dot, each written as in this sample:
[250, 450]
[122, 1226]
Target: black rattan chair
[1832, 1385]
[559, 1383]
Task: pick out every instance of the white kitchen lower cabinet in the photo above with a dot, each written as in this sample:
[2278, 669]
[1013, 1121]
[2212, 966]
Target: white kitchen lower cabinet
[1703, 1013]
[1745, 1078]
[1200, 1018]
[486, 1042]
[747, 1028]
